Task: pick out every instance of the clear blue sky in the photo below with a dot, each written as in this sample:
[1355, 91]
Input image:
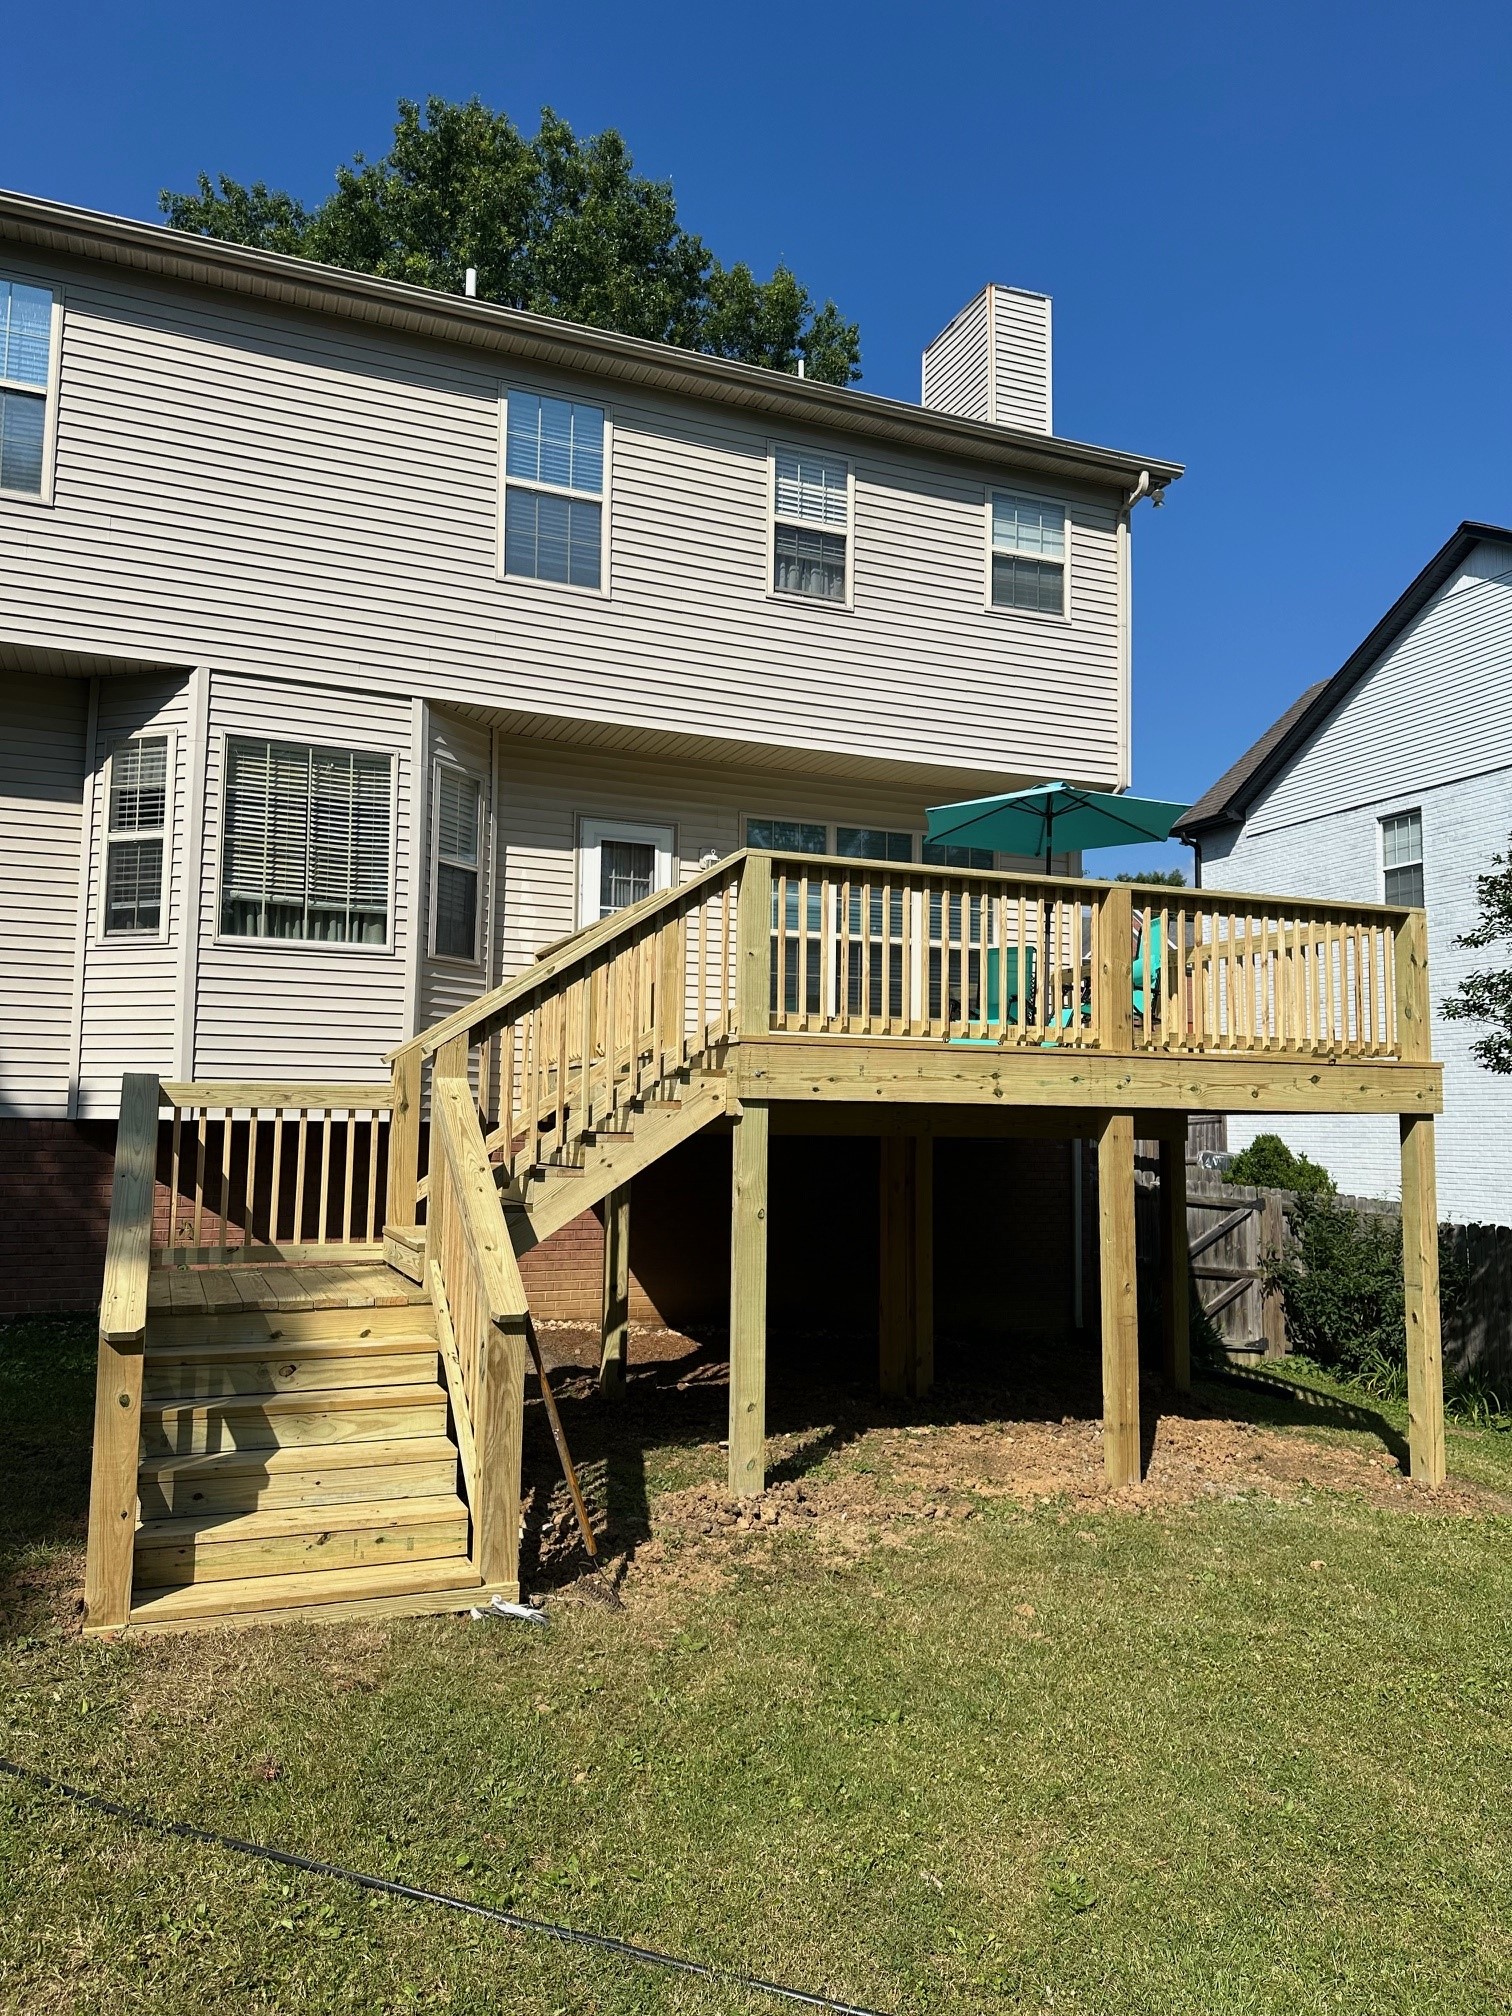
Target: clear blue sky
[1277, 238]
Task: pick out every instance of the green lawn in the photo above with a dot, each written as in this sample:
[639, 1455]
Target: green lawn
[927, 1745]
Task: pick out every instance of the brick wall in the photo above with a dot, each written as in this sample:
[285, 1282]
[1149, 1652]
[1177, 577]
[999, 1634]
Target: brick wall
[1002, 1233]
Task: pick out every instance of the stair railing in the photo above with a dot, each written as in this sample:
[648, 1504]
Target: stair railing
[118, 1375]
[563, 1049]
[481, 1316]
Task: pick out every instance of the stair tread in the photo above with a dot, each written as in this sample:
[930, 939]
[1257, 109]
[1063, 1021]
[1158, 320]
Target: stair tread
[181, 1290]
[290, 1521]
[304, 1400]
[224, 1351]
[301, 1456]
[323, 1585]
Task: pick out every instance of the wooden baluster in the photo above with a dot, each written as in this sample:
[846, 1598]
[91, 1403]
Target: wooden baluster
[224, 1198]
[249, 1236]
[371, 1220]
[702, 982]
[345, 1232]
[174, 1177]
[302, 1145]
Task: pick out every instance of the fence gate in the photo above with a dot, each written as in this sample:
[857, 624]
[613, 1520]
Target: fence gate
[1230, 1230]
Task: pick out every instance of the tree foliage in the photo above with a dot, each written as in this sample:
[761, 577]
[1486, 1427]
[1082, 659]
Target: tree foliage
[1269, 1164]
[553, 223]
[1164, 878]
[1486, 995]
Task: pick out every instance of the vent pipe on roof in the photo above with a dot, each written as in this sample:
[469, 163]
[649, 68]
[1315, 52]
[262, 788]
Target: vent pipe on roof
[470, 283]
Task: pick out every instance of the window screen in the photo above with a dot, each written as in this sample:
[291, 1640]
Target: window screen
[1028, 555]
[554, 485]
[306, 846]
[1402, 858]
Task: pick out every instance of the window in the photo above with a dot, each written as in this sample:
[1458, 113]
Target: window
[787, 836]
[941, 854]
[136, 825]
[871, 843]
[553, 490]
[457, 822]
[1402, 858]
[1028, 555]
[306, 848]
[621, 863]
[810, 525]
[26, 346]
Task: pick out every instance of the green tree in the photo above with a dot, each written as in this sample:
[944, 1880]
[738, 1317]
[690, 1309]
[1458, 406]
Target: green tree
[553, 223]
[1486, 995]
[1164, 878]
[1269, 1164]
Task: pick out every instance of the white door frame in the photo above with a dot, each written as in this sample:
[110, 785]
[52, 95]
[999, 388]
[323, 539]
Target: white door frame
[592, 832]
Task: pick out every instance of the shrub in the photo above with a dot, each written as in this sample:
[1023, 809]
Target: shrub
[1341, 1283]
[1269, 1164]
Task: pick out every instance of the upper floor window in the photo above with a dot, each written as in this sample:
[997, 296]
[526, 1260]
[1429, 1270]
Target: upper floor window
[1402, 858]
[306, 850]
[554, 490]
[26, 348]
[1028, 554]
[943, 854]
[811, 507]
[873, 843]
[788, 836]
[456, 870]
[136, 829]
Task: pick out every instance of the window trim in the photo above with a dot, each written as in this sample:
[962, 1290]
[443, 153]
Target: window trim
[1065, 614]
[161, 936]
[50, 398]
[785, 596]
[237, 940]
[593, 829]
[480, 785]
[1403, 812]
[506, 482]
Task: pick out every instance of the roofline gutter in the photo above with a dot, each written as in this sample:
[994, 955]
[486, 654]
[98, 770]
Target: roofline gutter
[291, 282]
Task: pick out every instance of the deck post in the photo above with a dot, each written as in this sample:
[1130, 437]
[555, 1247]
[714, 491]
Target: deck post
[905, 1315]
[404, 1140]
[1175, 1311]
[614, 1330]
[1420, 1281]
[748, 1299]
[1120, 1302]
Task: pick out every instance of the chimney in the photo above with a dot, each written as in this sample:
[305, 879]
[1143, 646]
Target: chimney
[993, 362]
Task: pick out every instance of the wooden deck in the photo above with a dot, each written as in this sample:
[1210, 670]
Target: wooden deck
[373, 1457]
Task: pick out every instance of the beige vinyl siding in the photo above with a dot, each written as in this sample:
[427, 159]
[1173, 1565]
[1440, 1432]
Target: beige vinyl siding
[42, 735]
[1020, 358]
[958, 364]
[248, 487]
[289, 1008]
[446, 984]
[131, 983]
[545, 792]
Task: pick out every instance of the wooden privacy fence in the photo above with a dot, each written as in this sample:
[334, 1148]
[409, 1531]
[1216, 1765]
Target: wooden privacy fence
[1232, 1230]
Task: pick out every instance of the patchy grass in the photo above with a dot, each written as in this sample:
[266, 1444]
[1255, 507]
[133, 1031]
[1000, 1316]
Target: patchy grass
[947, 1730]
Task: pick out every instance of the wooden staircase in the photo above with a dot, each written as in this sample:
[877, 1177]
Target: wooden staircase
[295, 1457]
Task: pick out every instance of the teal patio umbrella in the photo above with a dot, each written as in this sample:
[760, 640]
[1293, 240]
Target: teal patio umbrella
[1051, 816]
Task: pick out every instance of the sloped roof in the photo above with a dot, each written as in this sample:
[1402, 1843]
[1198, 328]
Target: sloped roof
[1227, 801]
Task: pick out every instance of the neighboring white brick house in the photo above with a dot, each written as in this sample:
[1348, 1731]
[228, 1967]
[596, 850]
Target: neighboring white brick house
[1406, 751]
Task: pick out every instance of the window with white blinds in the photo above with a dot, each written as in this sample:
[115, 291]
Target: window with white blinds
[456, 858]
[135, 836]
[810, 525]
[553, 490]
[1028, 555]
[26, 318]
[307, 846]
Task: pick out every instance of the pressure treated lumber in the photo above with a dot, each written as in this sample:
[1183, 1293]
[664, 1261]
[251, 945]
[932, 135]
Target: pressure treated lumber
[1175, 1311]
[614, 1325]
[748, 1303]
[1120, 1308]
[1420, 1281]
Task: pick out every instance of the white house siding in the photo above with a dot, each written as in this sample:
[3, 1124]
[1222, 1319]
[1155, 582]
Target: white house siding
[42, 755]
[265, 491]
[446, 984]
[958, 364]
[1429, 728]
[1020, 358]
[285, 1009]
[545, 792]
[131, 983]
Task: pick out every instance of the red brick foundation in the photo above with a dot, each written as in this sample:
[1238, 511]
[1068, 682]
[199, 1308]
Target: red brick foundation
[1002, 1233]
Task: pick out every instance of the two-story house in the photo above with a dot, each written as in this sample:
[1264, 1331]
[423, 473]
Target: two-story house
[456, 768]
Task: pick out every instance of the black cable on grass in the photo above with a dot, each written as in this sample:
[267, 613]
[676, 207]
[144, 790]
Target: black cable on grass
[567, 1935]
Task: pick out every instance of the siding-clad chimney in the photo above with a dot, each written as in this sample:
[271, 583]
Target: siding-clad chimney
[993, 362]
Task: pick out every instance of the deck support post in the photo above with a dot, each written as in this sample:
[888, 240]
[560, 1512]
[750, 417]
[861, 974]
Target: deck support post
[404, 1140]
[1420, 1281]
[905, 1316]
[748, 1300]
[1120, 1302]
[614, 1329]
[1175, 1310]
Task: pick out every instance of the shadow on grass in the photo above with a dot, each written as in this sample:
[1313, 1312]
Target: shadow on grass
[47, 1377]
[1281, 1403]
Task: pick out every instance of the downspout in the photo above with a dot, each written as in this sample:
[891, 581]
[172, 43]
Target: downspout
[1143, 488]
